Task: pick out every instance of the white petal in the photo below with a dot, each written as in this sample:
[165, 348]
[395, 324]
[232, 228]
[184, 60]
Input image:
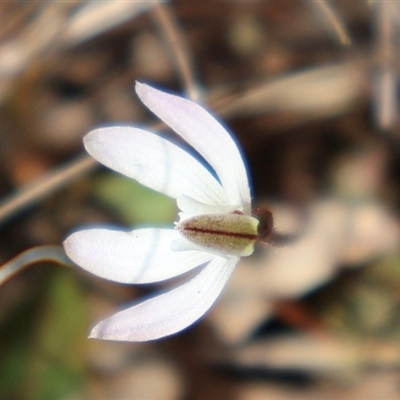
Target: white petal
[169, 312]
[191, 207]
[201, 130]
[154, 162]
[140, 256]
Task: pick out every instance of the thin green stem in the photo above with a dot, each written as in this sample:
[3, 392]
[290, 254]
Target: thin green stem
[32, 256]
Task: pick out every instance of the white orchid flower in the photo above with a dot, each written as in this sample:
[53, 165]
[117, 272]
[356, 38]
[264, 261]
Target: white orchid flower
[215, 227]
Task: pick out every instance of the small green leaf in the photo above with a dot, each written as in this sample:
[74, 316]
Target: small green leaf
[132, 202]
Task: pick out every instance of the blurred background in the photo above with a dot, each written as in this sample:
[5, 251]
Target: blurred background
[310, 92]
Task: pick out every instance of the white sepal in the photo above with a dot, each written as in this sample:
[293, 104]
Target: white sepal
[139, 256]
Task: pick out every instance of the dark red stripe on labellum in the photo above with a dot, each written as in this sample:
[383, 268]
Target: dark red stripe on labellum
[215, 232]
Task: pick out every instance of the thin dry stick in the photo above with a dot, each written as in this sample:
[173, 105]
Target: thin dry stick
[331, 15]
[37, 254]
[42, 187]
[386, 80]
[179, 50]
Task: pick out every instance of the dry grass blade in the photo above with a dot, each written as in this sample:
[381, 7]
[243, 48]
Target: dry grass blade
[336, 23]
[318, 92]
[38, 189]
[386, 82]
[180, 54]
[95, 18]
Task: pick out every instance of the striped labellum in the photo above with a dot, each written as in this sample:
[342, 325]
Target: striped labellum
[233, 233]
